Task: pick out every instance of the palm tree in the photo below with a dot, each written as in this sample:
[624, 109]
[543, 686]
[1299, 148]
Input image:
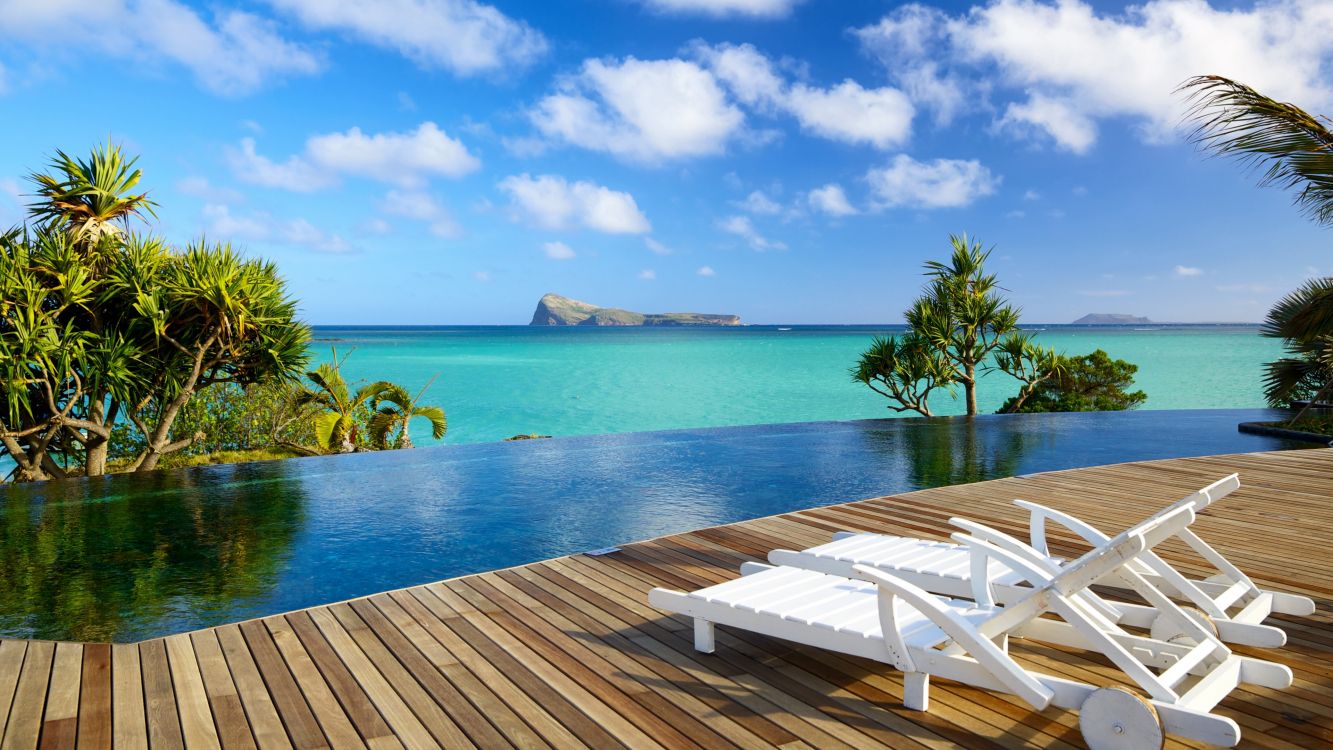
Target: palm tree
[336, 429]
[88, 198]
[1304, 321]
[396, 409]
[1295, 149]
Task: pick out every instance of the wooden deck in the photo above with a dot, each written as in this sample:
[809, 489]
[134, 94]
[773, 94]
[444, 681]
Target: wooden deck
[567, 653]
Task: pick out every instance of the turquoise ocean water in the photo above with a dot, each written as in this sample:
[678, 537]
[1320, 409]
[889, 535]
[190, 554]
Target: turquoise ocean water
[499, 381]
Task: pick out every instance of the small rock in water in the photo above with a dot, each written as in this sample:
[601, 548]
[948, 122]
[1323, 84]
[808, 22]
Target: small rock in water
[529, 436]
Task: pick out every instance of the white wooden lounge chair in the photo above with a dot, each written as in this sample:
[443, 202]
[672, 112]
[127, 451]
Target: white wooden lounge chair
[1230, 603]
[887, 619]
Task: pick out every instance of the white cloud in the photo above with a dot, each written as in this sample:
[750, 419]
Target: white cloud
[907, 42]
[551, 202]
[656, 246]
[403, 159]
[231, 53]
[758, 203]
[558, 250]
[640, 110]
[647, 274]
[461, 36]
[742, 227]
[941, 183]
[1031, 195]
[483, 277]
[1065, 65]
[1187, 271]
[260, 226]
[706, 271]
[375, 226]
[847, 112]
[1060, 120]
[831, 200]
[294, 174]
[422, 207]
[719, 8]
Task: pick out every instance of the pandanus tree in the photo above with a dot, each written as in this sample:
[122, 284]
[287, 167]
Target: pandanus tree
[395, 408]
[99, 324]
[1294, 151]
[954, 330]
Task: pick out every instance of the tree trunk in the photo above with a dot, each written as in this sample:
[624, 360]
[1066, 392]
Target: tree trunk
[970, 389]
[99, 445]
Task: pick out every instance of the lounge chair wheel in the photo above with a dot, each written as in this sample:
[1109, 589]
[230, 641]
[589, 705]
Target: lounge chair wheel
[1115, 719]
[1163, 628]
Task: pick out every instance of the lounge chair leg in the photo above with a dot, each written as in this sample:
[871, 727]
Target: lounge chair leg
[916, 691]
[703, 635]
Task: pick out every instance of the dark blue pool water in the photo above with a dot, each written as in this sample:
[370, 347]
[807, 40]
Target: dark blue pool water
[130, 557]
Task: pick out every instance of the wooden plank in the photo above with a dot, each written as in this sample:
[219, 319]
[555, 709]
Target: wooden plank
[265, 723]
[94, 710]
[164, 723]
[297, 718]
[330, 715]
[351, 696]
[228, 712]
[11, 666]
[60, 724]
[196, 716]
[25, 715]
[129, 722]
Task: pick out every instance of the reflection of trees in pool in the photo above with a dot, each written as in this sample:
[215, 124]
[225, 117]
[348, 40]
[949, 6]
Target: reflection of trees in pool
[945, 451]
[173, 542]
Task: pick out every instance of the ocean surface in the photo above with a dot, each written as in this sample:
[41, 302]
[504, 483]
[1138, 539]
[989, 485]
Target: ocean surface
[495, 382]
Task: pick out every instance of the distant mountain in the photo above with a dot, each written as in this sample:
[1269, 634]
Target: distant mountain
[1110, 319]
[554, 310]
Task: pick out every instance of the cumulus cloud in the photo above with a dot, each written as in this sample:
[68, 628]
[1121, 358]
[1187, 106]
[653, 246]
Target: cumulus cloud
[260, 226]
[647, 274]
[640, 110]
[230, 53]
[706, 271]
[1059, 67]
[403, 159]
[462, 36]
[720, 8]
[422, 207]
[848, 112]
[742, 227]
[552, 202]
[200, 187]
[830, 199]
[558, 251]
[1186, 272]
[941, 183]
[758, 203]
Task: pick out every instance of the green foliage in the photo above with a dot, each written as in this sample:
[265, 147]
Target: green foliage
[1092, 382]
[1292, 146]
[1304, 321]
[395, 408]
[100, 325]
[954, 327]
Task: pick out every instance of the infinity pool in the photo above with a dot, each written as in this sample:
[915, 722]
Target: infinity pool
[130, 557]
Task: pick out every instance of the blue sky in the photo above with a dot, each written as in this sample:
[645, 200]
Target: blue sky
[448, 161]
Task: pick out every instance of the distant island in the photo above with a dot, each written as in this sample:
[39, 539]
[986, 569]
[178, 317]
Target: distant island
[554, 310]
[1110, 319]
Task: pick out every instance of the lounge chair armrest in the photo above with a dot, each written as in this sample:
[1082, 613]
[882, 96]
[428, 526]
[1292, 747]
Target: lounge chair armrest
[1039, 514]
[1005, 541]
[962, 632]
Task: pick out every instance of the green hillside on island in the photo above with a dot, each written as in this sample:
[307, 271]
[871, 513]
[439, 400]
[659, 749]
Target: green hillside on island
[554, 310]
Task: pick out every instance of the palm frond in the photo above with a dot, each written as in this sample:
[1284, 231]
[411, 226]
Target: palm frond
[1293, 147]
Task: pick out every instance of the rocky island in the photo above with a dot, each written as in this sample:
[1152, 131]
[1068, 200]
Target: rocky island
[554, 310]
[1110, 319]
